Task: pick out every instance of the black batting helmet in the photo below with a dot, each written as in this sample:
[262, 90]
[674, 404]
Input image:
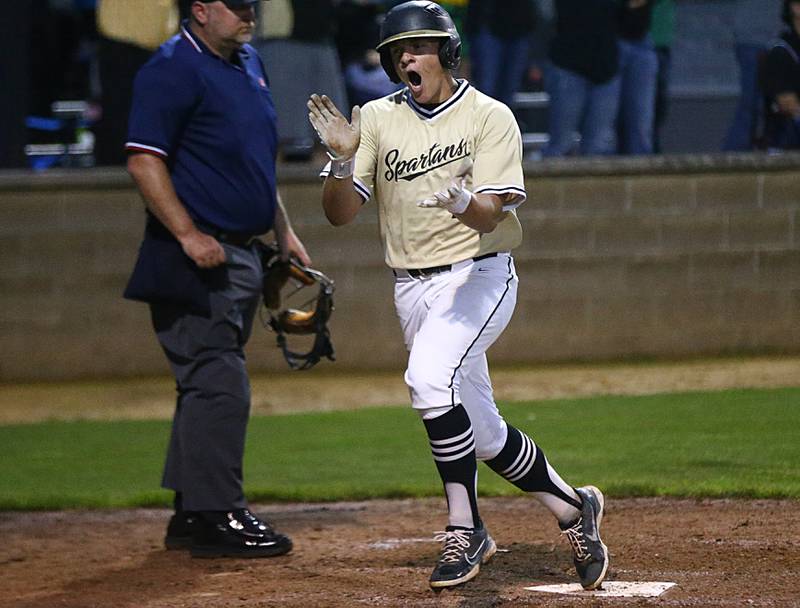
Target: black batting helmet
[419, 19]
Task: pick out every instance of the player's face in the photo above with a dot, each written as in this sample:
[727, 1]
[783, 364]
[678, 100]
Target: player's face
[794, 10]
[226, 28]
[417, 63]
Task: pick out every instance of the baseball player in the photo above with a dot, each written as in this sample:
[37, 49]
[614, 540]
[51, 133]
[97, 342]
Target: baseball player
[443, 163]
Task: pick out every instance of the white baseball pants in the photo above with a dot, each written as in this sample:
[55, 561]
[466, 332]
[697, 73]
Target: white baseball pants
[449, 320]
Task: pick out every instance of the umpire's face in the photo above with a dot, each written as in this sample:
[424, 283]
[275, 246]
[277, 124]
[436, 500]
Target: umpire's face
[227, 25]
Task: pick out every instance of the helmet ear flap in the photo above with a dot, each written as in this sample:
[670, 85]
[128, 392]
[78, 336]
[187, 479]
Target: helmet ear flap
[450, 53]
[388, 66]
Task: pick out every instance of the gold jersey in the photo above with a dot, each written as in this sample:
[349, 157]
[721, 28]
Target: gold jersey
[145, 23]
[407, 153]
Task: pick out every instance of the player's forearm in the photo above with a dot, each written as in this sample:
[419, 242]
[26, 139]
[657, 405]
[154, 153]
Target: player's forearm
[340, 201]
[155, 185]
[484, 213]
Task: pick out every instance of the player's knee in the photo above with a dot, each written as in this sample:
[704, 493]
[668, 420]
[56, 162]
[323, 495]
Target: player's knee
[489, 447]
[429, 413]
[490, 438]
[429, 386]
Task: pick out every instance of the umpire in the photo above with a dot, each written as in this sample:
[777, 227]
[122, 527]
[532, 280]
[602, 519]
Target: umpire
[202, 147]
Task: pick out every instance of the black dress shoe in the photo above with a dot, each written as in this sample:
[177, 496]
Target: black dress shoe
[251, 522]
[238, 534]
[180, 529]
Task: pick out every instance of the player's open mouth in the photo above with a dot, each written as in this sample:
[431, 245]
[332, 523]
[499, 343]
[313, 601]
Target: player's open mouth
[414, 79]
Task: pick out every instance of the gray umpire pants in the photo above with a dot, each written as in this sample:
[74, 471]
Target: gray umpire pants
[204, 458]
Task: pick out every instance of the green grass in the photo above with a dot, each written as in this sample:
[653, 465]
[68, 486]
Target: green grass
[730, 443]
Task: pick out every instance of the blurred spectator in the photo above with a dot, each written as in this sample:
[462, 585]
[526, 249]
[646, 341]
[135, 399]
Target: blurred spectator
[582, 80]
[754, 27]
[638, 70]
[129, 33]
[500, 41]
[184, 8]
[61, 56]
[662, 30]
[295, 42]
[15, 70]
[781, 80]
[357, 27]
[366, 80]
[539, 45]
[357, 35]
[457, 9]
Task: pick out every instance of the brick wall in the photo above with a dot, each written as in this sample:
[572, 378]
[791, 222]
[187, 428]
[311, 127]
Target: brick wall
[661, 257]
[661, 261]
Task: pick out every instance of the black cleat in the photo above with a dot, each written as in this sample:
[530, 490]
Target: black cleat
[590, 554]
[242, 534]
[463, 552]
[180, 528]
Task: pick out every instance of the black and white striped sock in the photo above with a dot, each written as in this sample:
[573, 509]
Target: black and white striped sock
[524, 464]
[453, 448]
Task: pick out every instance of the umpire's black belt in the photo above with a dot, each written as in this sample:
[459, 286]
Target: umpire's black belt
[426, 272]
[238, 239]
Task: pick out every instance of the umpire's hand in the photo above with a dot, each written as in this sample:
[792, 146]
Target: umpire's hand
[203, 249]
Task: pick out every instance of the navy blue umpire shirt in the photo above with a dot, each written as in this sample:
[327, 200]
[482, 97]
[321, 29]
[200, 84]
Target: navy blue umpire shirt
[213, 123]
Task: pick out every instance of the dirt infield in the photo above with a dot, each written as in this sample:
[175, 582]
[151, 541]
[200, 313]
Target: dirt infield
[721, 553]
[379, 553]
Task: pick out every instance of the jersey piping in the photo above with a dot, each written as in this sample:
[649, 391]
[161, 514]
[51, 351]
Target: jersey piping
[442, 108]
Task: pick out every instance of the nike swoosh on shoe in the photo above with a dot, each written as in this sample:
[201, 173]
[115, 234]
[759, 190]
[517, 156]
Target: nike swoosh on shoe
[471, 559]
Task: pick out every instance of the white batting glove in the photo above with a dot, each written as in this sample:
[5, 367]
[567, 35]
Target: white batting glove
[455, 199]
[340, 137]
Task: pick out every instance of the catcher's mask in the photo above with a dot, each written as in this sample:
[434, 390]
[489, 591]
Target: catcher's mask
[287, 282]
[419, 19]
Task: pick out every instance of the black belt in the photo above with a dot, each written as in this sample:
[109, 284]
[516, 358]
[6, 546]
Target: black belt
[237, 239]
[424, 272]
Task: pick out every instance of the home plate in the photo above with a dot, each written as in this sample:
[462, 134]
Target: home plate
[610, 589]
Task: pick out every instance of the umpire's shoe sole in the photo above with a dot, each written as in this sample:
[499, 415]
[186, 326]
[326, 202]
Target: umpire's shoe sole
[272, 547]
[226, 540]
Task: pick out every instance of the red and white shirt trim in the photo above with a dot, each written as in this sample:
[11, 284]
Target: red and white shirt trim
[133, 146]
[185, 33]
